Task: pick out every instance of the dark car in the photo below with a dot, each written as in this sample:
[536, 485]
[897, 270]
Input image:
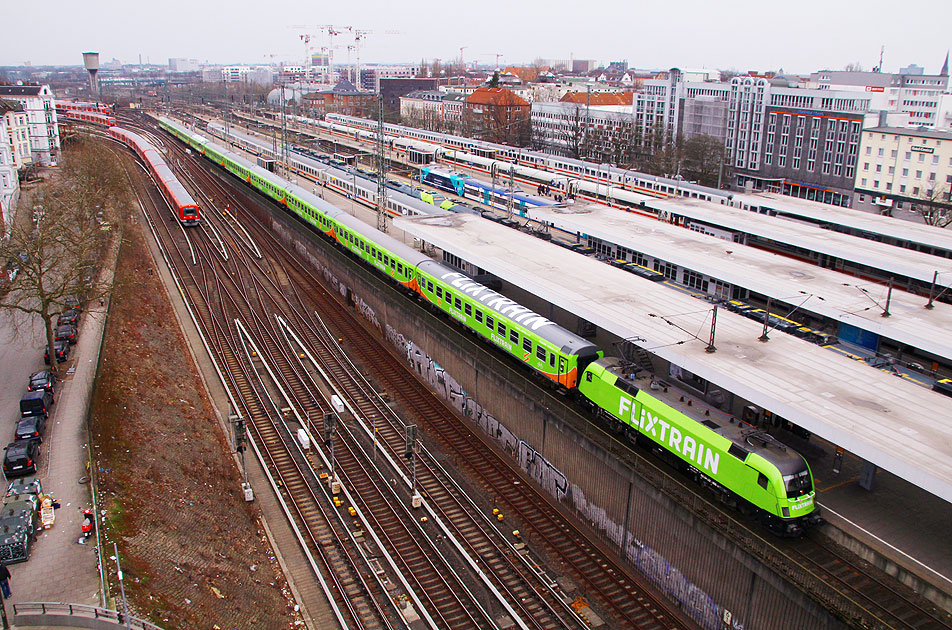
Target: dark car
[61, 348]
[44, 380]
[66, 332]
[19, 458]
[69, 316]
[73, 302]
[36, 403]
[31, 428]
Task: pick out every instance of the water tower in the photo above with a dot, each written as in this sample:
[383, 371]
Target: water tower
[91, 61]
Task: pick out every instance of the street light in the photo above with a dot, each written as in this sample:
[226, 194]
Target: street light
[122, 588]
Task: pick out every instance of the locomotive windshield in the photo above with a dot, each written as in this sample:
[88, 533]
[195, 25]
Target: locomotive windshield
[797, 484]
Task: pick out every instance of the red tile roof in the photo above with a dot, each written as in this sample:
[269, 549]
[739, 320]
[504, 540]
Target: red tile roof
[496, 96]
[599, 98]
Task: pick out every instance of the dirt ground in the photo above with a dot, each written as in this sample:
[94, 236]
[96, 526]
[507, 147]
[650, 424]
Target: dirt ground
[193, 552]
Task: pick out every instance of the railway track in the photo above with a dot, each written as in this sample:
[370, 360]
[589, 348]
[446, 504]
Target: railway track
[276, 443]
[885, 604]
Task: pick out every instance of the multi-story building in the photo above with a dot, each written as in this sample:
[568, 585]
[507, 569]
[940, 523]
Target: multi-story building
[910, 90]
[9, 182]
[183, 65]
[371, 76]
[392, 88]
[343, 98]
[454, 105]
[497, 115]
[660, 102]
[18, 133]
[796, 141]
[37, 102]
[423, 109]
[902, 169]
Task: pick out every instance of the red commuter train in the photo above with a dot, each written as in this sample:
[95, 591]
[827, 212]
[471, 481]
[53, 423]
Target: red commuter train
[185, 208]
[106, 120]
[64, 106]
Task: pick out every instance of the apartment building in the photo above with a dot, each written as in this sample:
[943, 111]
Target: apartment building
[9, 182]
[43, 129]
[17, 132]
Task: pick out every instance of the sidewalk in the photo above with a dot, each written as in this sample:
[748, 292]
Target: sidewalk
[59, 569]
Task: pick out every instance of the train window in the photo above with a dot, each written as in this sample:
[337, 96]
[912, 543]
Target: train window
[490, 323]
[468, 309]
[373, 252]
[540, 353]
[526, 344]
[479, 316]
[429, 286]
[439, 292]
[514, 336]
[552, 359]
[502, 330]
[400, 268]
[588, 377]
[457, 302]
[762, 480]
[393, 263]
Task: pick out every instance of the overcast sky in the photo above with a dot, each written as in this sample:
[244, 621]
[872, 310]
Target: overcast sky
[799, 37]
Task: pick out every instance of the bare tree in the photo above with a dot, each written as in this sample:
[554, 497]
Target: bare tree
[57, 255]
[702, 159]
[934, 205]
[575, 136]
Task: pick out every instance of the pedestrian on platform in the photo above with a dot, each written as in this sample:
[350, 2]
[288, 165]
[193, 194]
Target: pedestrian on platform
[4, 580]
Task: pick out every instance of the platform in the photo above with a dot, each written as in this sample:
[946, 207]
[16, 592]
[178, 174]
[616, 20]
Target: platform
[881, 418]
[829, 293]
[888, 258]
[890, 227]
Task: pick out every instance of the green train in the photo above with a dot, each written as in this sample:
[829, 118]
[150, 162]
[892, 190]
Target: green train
[738, 461]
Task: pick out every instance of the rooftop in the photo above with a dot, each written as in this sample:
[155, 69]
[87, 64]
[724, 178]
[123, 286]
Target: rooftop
[916, 132]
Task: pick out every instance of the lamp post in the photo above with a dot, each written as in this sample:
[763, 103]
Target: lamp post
[122, 588]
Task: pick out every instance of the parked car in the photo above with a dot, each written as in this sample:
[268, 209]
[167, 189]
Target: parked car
[31, 428]
[73, 302]
[44, 380]
[19, 458]
[69, 316]
[36, 403]
[66, 332]
[61, 348]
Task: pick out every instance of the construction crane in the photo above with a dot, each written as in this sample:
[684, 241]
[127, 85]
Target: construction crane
[461, 49]
[361, 34]
[332, 32]
[306, 38]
